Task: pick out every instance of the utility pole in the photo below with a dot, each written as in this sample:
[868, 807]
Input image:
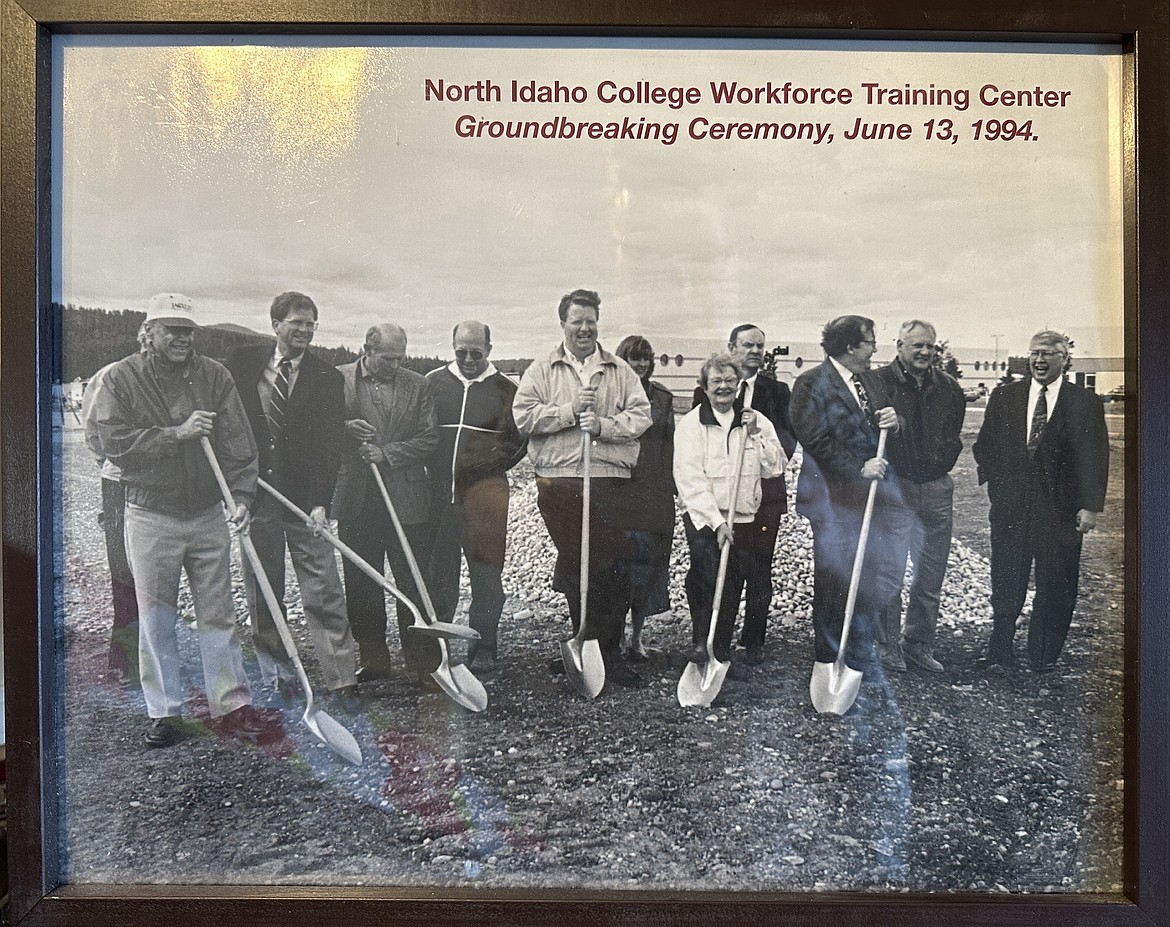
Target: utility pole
[996, 337]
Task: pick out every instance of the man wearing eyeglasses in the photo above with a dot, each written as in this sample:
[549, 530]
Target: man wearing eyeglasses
[930, 407]
[478, 445]
[295, 406]
[837, 424]
[1043, 451]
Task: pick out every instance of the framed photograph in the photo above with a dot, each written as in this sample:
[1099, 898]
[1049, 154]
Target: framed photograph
[441, 215]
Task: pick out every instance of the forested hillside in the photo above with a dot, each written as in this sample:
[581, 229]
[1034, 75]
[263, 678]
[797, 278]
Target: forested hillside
[92, 338]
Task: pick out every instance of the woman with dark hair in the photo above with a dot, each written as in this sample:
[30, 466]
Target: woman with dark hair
[648, 515]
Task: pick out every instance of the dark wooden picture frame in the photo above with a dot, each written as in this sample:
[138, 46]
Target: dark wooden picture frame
[37, 897]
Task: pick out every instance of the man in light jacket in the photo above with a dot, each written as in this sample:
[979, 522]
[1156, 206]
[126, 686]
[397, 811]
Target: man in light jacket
[581, 387]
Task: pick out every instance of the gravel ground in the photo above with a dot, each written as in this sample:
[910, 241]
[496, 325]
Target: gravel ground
[1009, 783]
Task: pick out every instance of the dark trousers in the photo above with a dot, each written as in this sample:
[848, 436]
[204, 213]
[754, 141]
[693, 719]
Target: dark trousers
[1035, 534]
[559, 500]
[834, 547]
[124, 634]
[374, 540]
[474, 526]
[702, 577]
[758, 546]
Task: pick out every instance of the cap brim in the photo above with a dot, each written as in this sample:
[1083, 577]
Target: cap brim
[177, 322]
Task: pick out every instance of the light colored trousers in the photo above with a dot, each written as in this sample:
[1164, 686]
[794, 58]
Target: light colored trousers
[928, 541]
[321, 595]
[159, 547]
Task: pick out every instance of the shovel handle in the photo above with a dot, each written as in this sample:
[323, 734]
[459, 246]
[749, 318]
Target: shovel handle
[346, 551]
[586, 479]
[725, 553]
[586, 461]
[859, 558]
[415, 572]
[266, 589]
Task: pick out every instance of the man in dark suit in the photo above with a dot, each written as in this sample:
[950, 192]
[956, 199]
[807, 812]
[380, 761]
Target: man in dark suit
[1043, 451]
[389, 421]
[838, 430]
[295, 406]
[770, 398]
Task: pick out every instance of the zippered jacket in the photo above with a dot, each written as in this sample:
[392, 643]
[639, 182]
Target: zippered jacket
[543, 408]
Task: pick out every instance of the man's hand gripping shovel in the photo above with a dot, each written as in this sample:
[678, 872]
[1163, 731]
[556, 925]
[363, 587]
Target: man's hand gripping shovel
[584, 666]
[323, 726]
[833, 687]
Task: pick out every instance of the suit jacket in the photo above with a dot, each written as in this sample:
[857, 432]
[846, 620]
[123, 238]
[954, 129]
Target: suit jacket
[1072, 458]
[837, 439]
[303, 462]
[409, 437]
[771, 398]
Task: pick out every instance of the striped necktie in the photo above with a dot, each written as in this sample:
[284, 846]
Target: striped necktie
[279, 401]
[1039, 420]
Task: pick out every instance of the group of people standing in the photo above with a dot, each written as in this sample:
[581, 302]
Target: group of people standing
[443, 444]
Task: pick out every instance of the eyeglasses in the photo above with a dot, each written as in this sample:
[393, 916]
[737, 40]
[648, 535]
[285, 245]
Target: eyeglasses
[1045, 355]
[301, 326]
[722, 381]
[464, 353]
[872, 342]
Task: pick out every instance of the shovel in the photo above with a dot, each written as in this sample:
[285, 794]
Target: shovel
[457, 681]
[352, 556]
[582, 658]
[833, 687]
[322, 725]
[701, 682]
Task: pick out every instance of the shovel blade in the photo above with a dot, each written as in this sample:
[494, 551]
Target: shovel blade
[461, 685]
[333, 735]
[701, 682]
[446, 631]
[833, 691]
[584, 666]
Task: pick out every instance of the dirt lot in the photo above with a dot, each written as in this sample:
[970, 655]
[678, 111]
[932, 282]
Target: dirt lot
[965, 782]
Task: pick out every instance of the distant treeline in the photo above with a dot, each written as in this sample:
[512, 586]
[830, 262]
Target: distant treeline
[92, 338]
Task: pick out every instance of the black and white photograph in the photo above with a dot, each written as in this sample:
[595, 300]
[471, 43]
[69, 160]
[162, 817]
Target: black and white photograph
[559, 463]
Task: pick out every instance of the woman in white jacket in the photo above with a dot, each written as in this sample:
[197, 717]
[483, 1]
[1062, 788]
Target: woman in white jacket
[706, 447]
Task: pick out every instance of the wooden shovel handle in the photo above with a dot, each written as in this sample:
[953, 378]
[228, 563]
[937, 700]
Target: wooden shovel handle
[725, 553]
[859, 558]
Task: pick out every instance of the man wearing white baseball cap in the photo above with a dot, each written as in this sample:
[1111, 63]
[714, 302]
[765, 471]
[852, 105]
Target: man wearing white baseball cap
[148, 420]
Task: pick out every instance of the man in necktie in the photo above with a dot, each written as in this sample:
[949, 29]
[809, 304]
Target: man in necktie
[295, 406]
[838, 431]
[1043, 451]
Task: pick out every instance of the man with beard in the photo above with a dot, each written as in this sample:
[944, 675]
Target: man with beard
[296, 406]
[148, 419]
[579, 387]
[390, 421]
[478, 445]
[1043, 451]
[930, 406]
[836, 424]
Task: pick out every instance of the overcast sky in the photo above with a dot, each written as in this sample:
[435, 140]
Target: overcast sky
[232, 172]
